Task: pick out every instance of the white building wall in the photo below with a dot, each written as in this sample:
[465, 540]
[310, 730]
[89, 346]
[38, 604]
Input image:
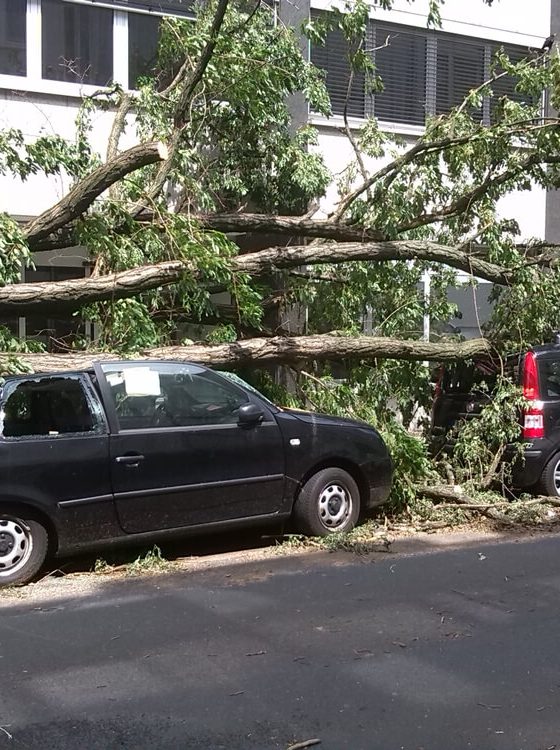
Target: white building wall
[39, 115]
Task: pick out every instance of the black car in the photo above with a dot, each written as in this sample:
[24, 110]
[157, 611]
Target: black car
[461, 396]
[136, 450]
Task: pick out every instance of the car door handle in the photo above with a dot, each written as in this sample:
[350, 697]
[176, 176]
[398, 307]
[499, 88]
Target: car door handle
[130, 460]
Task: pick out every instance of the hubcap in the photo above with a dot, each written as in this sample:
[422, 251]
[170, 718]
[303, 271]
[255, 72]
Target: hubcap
[557, 478]
[15, 545]
[335, 505]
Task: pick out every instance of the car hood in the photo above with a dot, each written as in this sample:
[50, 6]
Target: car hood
[312, 417]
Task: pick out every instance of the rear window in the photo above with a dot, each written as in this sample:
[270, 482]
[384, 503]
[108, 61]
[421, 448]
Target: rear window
[549, 372]
[466, 377]
[47, 406]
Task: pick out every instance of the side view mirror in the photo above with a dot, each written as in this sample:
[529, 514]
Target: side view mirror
[250, 414]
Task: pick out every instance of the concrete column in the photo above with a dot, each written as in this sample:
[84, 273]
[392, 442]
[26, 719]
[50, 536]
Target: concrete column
[552, 224]
[293, 14]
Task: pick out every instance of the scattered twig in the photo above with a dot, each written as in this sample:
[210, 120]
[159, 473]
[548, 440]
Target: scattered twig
[11, 737]
[304, 744]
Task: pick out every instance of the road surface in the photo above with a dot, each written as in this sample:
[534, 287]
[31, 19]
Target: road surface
[446, 650]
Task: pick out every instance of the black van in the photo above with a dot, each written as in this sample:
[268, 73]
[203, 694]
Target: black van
[459, 396]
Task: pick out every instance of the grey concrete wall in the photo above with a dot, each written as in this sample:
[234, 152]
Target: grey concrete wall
[552, 226]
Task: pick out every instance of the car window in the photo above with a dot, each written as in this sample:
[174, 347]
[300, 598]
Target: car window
[47, 406]
[236, 379]
[550, 377]
[165, 395]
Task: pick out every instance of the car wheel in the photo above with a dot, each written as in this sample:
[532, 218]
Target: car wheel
[328, 502]
[23, 547]
[550, 478]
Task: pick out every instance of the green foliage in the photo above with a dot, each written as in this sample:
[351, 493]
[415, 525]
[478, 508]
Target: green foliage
[102, 567]
[224, 333]
[125, 325]
[481, 442]
[14, 252]
[151, 562]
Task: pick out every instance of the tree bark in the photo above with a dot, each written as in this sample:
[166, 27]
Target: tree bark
[42, 297]
[455, 495]
[289, 225]
[265, 351]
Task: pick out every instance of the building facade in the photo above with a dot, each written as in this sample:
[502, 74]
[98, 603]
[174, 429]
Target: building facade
[54, 51]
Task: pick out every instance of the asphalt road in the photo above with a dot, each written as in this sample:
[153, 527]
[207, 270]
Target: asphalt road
[441, 651]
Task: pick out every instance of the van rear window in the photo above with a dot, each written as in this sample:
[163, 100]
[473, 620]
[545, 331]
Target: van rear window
[466, 377]
[549, 372]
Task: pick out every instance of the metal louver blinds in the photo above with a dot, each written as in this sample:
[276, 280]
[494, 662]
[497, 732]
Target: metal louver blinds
[460, 68]
[333, 59]
[402, 67]
[424, 72]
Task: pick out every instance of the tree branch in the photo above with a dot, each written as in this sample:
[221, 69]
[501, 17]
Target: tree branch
[83, 194]
[463, 203]
[39, 297]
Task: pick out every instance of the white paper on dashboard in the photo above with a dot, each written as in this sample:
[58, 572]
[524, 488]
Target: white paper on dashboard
[141, 381]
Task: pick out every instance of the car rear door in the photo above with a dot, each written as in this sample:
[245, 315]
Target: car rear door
[54, 453]
[179, 456]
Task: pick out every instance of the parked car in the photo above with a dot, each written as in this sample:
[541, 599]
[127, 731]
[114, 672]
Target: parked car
[460, 395]
[138, 450]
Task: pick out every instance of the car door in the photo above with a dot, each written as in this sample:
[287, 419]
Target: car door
[179, 455]
[54, 453]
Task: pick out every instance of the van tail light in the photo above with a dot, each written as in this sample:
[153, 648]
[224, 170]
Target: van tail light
[533, 423]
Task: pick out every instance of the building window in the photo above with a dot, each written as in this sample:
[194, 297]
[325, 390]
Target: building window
[181, 8]
[460, 68]
[77, 43]
[505, 85]
[423, 73]
[12, 37]
[56, 333]
[402, 67]
[333, 58]
[143, 36]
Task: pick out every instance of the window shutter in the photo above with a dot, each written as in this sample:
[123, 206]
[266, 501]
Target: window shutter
[460, 68]
[333, 59]
[402, 67]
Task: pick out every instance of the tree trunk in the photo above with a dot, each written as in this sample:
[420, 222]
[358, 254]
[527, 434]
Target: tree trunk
[292, 350]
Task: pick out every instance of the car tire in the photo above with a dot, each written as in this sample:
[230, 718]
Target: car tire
[550, 478]
[24, 543]
[328, 502]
